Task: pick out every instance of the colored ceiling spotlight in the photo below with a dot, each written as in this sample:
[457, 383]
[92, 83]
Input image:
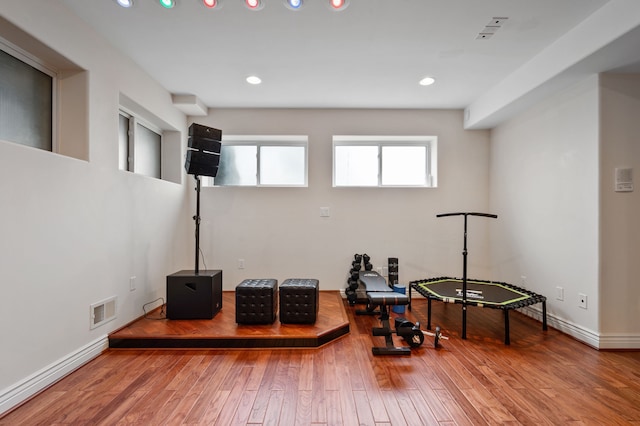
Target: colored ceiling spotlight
[211, 4]
[293, 4]
[338, 4]
[254, 4]
[125, 3]
[167, 4]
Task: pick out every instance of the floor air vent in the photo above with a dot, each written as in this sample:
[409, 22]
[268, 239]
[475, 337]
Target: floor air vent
[102, 312]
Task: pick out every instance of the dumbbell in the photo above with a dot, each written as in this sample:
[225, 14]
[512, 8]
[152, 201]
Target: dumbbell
[352, 297]
[409, 331]
[353, 284]
[437, 336]
[367, 265]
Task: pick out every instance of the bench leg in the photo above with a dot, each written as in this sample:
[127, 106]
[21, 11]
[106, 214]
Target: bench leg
[385, 330]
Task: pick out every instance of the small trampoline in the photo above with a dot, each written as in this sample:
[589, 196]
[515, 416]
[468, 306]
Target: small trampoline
[484, 294]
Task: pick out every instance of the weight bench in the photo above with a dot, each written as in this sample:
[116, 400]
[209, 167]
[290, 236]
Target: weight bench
[382, 296]
[372, 282]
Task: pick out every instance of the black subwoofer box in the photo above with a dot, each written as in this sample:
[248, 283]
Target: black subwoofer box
[194, 296]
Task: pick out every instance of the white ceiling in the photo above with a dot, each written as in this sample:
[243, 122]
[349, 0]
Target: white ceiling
[370, 55]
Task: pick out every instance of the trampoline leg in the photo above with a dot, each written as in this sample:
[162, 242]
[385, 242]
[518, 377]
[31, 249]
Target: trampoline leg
[544, 315]
[507, 341]
[428, 313]
[464, 321]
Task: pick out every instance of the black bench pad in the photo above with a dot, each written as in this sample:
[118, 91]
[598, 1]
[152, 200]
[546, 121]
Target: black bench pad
[387, 298]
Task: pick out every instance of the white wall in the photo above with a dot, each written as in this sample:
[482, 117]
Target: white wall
[279, 231]
[545, 186]
[619, 211]
[73, 232]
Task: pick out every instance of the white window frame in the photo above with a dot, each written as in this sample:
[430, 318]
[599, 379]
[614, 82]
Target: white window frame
[261, 141]
[430, 142]
[134, 121]
[43, 67]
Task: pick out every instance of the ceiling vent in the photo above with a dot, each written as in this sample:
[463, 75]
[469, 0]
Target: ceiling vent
[491, 28]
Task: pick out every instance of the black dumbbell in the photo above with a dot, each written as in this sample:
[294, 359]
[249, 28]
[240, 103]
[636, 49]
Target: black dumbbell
[353, 285]
[352, 297]
[409, 331]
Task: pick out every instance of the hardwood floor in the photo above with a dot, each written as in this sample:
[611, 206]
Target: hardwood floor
[541, 378]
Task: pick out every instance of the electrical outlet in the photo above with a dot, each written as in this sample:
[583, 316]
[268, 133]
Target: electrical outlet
[240, 263]
[560, 293]
[582, 301]
[132, 283]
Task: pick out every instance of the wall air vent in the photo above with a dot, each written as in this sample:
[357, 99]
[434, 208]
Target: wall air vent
[102, 312]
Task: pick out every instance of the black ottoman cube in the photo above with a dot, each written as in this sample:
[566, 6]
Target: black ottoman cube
[256, 301]
[299, 300]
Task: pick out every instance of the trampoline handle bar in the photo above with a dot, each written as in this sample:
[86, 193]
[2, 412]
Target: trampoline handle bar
[468, 214]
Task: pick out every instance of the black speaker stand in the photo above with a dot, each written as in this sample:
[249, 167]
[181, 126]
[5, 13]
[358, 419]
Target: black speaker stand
[196, 218]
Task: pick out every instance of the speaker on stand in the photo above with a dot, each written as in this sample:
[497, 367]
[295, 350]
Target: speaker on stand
[190, 294]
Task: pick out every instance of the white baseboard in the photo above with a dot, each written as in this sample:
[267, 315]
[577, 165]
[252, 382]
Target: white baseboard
[25, 389]
[619, 341]
[586, 336]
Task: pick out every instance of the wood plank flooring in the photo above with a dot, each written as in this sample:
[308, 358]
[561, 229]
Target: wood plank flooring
[541, 378]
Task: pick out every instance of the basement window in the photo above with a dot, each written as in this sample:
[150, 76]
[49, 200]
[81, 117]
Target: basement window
[385, 161]
[26, 101]
[275, 161]
[43, 96]
[140, 146]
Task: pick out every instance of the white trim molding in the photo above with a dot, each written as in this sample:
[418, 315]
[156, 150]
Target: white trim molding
[14, 395]
[586, 336]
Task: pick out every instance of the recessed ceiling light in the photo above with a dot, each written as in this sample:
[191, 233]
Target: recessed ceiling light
[427, 81]
[210, 3]
[125, 3]
[252, 79]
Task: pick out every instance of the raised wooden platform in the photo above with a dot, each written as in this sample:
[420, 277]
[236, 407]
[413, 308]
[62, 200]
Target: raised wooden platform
[155, 331]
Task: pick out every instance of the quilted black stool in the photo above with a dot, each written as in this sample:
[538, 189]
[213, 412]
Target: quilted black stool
[299, 300]
[256, 301]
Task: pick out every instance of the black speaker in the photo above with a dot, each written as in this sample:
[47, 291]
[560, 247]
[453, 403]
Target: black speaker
[198, 131]
[191, 296]
[203, 155]
[202, 163]
[205, 138]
